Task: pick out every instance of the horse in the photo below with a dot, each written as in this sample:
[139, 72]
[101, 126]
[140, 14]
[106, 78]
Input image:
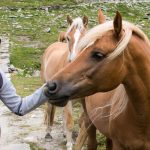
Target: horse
[120, 69]
[55, 57]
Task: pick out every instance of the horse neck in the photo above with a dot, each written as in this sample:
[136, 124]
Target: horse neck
[137, 80]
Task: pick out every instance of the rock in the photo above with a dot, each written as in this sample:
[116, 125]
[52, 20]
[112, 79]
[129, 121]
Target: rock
[4, 55]
[146, 17]
[12, 69]
[148, 14]
[36, 73]
[18, 27]
[28, 75]
[48, 30]
[19, 10]
[31, 139]
[20, 71]
[16, 147]
[13, 16]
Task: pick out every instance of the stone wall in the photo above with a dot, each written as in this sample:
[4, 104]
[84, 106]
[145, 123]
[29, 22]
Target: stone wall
[4, 55]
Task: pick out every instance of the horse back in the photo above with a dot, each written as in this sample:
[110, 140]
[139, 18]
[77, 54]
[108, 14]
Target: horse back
[54, 59]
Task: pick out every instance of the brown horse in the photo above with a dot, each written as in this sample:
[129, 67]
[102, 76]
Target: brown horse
[55, 57]
[114, 57]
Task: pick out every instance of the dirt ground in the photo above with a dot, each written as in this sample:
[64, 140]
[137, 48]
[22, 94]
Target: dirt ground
[27, 132]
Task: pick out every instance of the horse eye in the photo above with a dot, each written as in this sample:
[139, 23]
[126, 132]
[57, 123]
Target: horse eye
[98, 56]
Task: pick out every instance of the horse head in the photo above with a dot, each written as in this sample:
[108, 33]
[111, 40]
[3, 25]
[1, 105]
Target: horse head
[101, 65]
[77, 29]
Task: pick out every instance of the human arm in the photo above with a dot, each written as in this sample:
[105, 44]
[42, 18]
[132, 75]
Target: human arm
[14, 102]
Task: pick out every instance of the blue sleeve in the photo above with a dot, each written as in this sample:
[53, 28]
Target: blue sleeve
[14, 102]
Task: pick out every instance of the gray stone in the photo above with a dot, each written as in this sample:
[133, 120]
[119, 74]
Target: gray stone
[4, 54]
[48, 30]
[12, 69]
[36, 73]
[16, 147]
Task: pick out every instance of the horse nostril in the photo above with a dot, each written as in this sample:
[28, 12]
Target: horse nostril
[52, 87]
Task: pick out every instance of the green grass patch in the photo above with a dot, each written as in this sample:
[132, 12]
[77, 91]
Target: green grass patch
[35, 147]
[26, 85]
[29, 18]
[33, 3]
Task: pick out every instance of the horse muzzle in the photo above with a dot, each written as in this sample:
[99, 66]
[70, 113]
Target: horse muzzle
[56, 94]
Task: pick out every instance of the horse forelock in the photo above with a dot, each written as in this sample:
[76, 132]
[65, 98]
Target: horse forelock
[93, 34]
[99, 30]
[79, 29]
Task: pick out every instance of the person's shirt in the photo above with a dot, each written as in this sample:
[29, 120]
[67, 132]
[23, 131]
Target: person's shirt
[14, 102]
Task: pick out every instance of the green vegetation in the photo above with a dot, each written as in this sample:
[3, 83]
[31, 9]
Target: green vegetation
[26, 85]
[34, 147]
[32, 25]
[33, 3]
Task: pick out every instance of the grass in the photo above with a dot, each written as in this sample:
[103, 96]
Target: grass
[26, 23]
[33, 3]
[35, 147]
[26, 85]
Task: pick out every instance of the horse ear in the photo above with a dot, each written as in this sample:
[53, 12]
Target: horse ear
[62, 36]
[85, 20]
[101, 17]
[117, 23]
[69, 20]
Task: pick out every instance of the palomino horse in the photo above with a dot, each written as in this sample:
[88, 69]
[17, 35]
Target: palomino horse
[55, 57]
[115, 57]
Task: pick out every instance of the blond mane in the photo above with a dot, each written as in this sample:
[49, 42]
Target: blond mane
[99, 30]
[117, 105]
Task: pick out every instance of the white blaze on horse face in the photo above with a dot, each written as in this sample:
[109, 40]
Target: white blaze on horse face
[76, 39]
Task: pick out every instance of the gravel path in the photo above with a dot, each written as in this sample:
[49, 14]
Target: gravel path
[27, 131]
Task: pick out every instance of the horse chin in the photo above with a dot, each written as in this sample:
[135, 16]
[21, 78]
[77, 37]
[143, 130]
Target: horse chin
[61, 102]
